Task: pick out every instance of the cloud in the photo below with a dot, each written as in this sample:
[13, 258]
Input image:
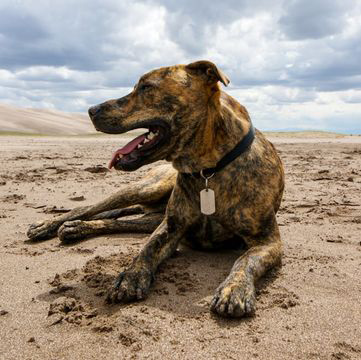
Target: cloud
[20, 27]
[82, 35]
[315, 19]
[282, 56]
[352, 97]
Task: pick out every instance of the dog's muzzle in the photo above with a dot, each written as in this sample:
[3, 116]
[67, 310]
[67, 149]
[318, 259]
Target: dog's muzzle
[93, 110]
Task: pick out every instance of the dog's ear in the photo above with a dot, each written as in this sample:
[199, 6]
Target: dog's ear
[208, 69]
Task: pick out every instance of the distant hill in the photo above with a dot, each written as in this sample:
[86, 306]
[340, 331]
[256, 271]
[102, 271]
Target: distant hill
[41, 121]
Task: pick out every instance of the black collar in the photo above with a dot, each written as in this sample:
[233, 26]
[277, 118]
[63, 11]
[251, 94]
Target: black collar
[239, 149]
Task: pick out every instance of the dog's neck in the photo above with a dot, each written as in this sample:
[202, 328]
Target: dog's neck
[218, 129]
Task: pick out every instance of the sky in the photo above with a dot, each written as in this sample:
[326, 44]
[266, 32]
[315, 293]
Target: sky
[294, 64]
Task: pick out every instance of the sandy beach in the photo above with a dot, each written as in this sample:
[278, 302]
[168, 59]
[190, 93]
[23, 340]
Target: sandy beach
[52, 296]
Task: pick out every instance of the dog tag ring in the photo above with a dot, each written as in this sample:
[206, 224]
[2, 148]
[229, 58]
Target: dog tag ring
[208, 203]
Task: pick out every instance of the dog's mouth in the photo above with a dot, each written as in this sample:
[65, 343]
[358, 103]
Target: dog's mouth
[133, 154]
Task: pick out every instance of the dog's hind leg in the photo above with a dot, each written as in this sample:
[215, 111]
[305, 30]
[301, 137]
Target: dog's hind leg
[235, 297]
[72, 231]
[117, 213]
[154, 188]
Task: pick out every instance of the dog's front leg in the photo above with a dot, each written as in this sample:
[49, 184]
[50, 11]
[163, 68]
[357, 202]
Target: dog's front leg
[134, 283]
[235, 297]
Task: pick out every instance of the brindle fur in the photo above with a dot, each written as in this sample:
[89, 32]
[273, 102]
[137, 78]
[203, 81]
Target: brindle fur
[205, 123]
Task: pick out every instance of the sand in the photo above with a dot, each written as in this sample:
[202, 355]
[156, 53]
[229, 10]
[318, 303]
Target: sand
[43, 121]
[52, 297]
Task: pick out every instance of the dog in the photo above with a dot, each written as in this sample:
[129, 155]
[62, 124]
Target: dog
[224, 184]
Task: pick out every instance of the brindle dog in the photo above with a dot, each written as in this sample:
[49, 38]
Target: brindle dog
[192, 124]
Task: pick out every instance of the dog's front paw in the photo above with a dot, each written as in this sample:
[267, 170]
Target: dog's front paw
[131, 285]
[234, 300]
[43, 230]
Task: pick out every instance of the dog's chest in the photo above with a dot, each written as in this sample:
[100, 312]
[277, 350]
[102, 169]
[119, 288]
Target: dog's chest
[219, 196]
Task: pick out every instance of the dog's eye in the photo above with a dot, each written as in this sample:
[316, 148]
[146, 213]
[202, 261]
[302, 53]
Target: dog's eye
[145, 87]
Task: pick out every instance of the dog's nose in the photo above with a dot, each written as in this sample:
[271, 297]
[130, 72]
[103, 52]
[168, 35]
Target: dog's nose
[93, 110]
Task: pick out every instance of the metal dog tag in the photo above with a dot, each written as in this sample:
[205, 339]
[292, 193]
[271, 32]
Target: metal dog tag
[208, 203]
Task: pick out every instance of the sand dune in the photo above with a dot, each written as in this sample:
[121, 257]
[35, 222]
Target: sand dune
[40, 121]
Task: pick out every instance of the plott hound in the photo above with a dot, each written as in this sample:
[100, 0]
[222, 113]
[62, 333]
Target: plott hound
[224, 184]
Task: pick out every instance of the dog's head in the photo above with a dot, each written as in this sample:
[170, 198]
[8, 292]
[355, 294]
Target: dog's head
[166, 101]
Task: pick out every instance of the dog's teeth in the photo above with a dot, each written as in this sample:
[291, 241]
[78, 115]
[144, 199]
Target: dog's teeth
[150, 136]
[146, 140]
[120, 156]
[139, 146]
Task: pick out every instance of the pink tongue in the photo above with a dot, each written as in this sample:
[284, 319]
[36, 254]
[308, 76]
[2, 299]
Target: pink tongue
[127, 149]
